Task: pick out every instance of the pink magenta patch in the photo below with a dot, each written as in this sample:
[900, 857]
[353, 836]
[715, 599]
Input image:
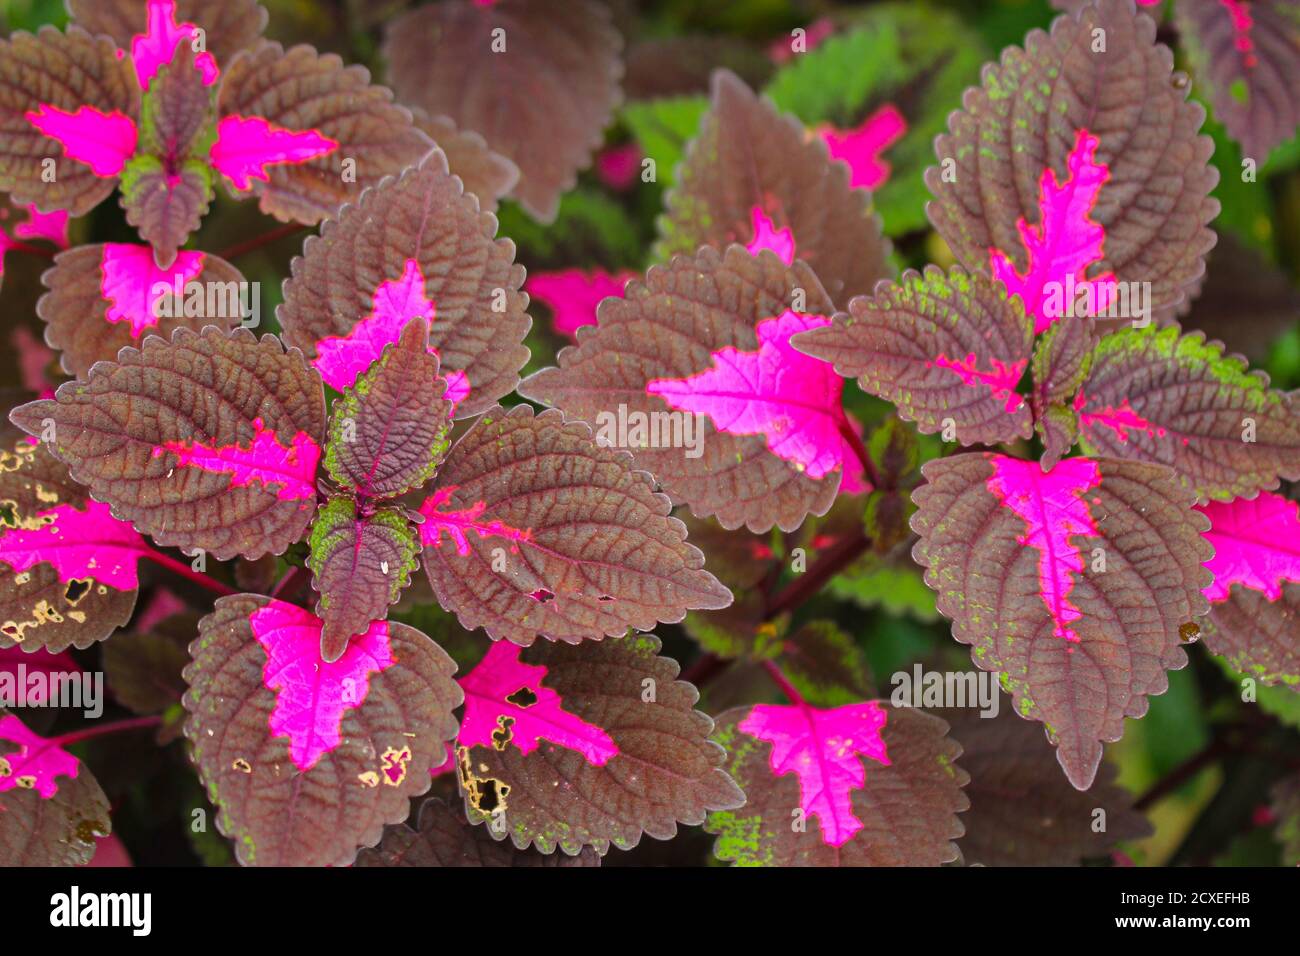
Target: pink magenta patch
[265, 461]
[133, 285]
[50, 226]
[792, 399]
[1001, 379]
[618, 166]
[341, 359]
[459, 524]
[79, 545]
[1256, 544]
[34, 358]
[311, 694]
[766, 236]
[573, 294]
[1122, 420]
[247, 145]
[861, 148]
[504, 698]
[824, 749]
[1063, 244]
[36, 765]
[782, 50]
[1053, 507]
[1242, 24]
[154, 49]
[21, 666]
[103, 141]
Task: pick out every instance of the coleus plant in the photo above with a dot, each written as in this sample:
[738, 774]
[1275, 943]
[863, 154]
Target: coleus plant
[1121, 496]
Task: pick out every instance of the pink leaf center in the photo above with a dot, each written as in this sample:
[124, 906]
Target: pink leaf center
[247, 145]
[573, 294]
[505, 703]
[312, 694]
[133, 285]
[341, 359]
[766, 236]
[154, 49]
[265, 461]
[792, 399]
[103, 141]
[79, 545]
[861, 148]
[1001, 379]
[1256, 544]
[1054, 509]
[460, 524]
[36, 764]
[1063, 244]
[824, 749]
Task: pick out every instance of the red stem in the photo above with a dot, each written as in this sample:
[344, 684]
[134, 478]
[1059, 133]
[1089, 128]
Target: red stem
[290, 580]
[185, 571]
[265, 239]
[833, 560]
[32, 250]
[850, 435]
[117, 726]
[783, 682]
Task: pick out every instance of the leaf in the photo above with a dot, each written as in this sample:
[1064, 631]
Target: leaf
[663, 128]
[361, 732]
[1016, 557]
[659, 67]
[208, 441]
[941, 347]
[229, 25]
[165, 207]
[891, 791]
[360, 563]
[449, 59]
[505, 703]
[1021, 812]
[749, 157]
[312, 100]
[1248, 57]
[1156, 395]
[1007, 151]
[104, 297]
[477, 318]
[144, 669]
[445, 838]
[573, 294]
[59, 74]
[42, 605]
[1255, 597]
[896, 61]
[534, 530]
[898, 588]
[665, 770]
[392, 428]
[673, 325]
[51, 808]
[485, 173]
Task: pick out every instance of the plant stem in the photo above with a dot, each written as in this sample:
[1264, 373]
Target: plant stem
[185, 571]
[265, 239]
[833, 560]
[32, 250]
[783, 682]
[117, 726]
[292, 578]
[850, 435]
[704, 668]
[1185, 771]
